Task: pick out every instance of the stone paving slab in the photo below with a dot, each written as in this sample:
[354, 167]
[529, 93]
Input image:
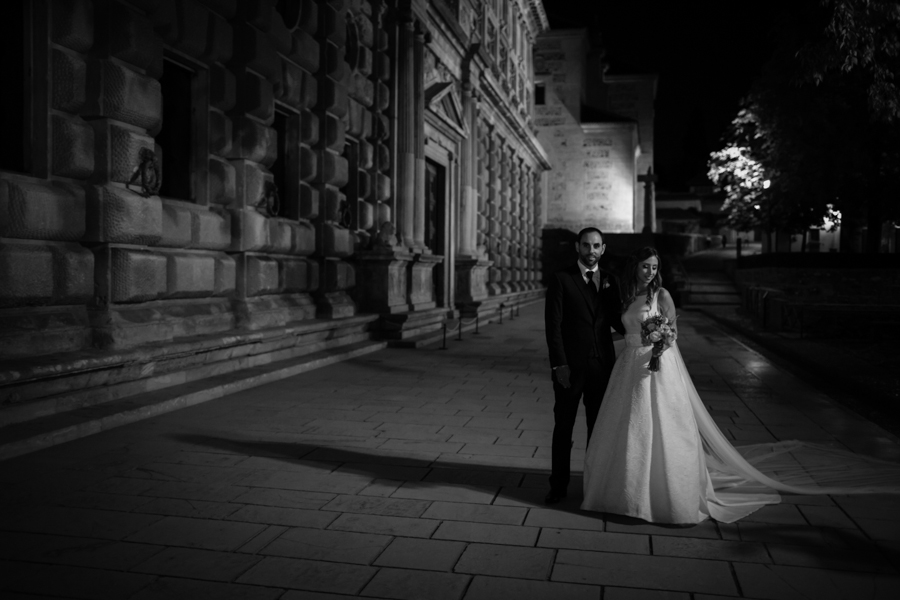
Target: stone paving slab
[421, 474]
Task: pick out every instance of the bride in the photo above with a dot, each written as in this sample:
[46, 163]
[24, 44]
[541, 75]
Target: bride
[656, 453]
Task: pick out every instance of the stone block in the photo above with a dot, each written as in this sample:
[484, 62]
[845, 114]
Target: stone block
[383, 155]
[303, 239]
[190, 275]
[309, 202]
[211, 230]
[176, 226]
[304, 50]
[382, 213]
[365, 155]
[365, 215]
[333, 170]
[309, 128]
[220, 134]
[309, 164]
[41, 211]
[250, 181]
[73, 24]
[334, 202]
[132, 38]
[248, 230]
[336, 241]
[117, 92]
[255, 95]
[117, 150]
[339, 276]
[253, 141]
[291, 84]
[382, 41]
[381, 127]
[313, 275]
[310, 91]
[222, 88]
[193, 25]
[279, 236]
[309, 17]
[118, 215]
[382, 68]
[293, 275]
[361, 89]
[261, 275]
[72, 147]
[364, 185]
[254, 50]
[332, 97]
[226, 271]
[279, 34]
[136, 275]
[26, 270]
[336, 65]
[221, 182]
[69, 72]
[73, 273]
[219, 40]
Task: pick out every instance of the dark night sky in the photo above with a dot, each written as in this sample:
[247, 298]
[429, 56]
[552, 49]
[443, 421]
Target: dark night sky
[706, 53]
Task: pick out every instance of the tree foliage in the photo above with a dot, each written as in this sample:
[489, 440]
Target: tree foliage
[819, 129]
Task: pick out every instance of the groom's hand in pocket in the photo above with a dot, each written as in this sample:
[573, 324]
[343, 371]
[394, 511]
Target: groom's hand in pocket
[562, 376]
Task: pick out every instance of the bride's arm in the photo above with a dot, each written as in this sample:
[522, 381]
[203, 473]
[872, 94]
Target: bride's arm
[667, 308]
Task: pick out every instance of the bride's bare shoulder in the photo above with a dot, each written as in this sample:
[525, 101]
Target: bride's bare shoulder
[665, 298]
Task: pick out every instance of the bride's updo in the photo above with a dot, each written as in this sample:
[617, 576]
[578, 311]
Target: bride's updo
[628, 289]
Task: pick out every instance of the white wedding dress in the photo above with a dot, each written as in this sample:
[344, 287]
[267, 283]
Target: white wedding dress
[656, 453]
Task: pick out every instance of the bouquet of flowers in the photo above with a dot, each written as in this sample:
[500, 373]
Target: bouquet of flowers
[659, 332]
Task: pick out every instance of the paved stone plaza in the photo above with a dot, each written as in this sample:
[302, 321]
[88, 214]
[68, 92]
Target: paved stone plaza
[420, 474]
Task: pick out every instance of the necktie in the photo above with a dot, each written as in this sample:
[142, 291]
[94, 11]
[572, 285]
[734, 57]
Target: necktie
[590, 281]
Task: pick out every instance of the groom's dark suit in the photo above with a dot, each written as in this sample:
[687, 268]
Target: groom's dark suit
[578, 321]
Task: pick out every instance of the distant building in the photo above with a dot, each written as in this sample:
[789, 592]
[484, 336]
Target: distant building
[598, 131]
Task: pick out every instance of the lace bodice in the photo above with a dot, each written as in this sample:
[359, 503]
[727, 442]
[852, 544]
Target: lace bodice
[635, 314]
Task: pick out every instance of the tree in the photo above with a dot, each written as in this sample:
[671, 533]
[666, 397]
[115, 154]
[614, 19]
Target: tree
[821, 134]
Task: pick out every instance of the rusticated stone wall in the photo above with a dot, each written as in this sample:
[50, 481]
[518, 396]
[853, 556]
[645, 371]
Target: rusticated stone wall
[306, 147]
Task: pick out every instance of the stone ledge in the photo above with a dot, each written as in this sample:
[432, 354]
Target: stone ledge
[18, 439]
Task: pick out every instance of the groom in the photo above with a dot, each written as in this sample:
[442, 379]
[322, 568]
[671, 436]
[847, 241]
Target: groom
[582, 304]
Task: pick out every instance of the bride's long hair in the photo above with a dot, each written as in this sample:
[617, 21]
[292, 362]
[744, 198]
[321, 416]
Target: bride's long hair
[629, 288]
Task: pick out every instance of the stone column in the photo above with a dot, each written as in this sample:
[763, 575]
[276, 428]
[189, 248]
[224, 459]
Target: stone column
[468, 202]
[419, 135]
[406, 131]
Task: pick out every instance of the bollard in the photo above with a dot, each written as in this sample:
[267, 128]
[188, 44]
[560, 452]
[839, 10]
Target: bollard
[501, 313]
[444, 343]
[459, 334]
[476, 323]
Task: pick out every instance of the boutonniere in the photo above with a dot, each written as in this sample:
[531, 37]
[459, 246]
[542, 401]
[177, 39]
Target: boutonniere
[605, 283]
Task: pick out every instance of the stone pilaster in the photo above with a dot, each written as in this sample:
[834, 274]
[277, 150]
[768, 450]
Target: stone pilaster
[383, 280]
[406, 130]
[419, 131]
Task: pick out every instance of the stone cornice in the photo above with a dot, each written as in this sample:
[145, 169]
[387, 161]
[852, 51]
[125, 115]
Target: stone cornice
[538, 16]
[500, 107]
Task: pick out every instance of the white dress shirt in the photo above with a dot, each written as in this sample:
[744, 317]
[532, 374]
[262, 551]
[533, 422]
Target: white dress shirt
[596, 277]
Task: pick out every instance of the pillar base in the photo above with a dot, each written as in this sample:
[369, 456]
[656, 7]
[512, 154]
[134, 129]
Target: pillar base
[471, 279]
[421, 281]
[382, 281]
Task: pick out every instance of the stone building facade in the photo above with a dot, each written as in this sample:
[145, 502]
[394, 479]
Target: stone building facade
[195, 186]
[598, 130]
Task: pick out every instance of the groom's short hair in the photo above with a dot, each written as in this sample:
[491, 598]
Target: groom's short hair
[587, 230]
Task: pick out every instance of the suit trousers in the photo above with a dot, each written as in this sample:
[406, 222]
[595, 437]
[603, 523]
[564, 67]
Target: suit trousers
[588, 383]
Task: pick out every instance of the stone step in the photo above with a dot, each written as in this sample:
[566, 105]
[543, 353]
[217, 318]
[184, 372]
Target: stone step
[714, 299]
[707, 288]
[50, 430]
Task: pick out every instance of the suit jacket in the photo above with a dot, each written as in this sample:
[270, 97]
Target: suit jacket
[577, 324]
